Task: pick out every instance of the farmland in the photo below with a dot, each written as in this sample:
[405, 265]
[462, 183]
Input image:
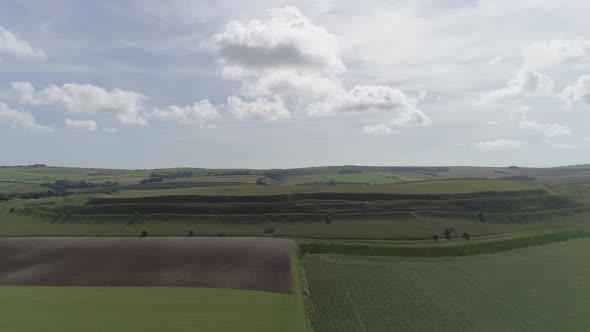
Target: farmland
[58, 309]
[541, 288]
[255, 264]
[368, 238]
[156, 284]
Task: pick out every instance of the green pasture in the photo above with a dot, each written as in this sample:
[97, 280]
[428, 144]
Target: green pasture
[540, 288]
[144, 309]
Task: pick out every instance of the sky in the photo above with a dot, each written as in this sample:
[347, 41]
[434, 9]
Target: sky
[279, 84]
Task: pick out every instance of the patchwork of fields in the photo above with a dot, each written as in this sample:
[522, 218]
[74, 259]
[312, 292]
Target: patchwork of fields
[544, 288]
[378, 249]
[154, 284]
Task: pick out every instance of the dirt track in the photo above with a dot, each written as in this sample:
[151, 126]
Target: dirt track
[241, 263]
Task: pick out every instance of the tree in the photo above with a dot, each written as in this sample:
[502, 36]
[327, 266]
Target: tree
[220, 234]
[435, 237]
[144, 234]
[11, 210]
[481, 216]
[449, 233]
[329, 218]
[466, 236]
[191, 233]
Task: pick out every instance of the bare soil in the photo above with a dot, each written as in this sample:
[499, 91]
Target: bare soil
[239, 263]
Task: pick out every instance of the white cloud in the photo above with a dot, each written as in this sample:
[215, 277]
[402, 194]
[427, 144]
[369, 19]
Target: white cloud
[110, 130]
[260, 109]
[499, 144]
[373, 99]
[377, 130]
[579, 92]
[26, 92]
[11, 45]
[86, 98]
[556, 52]
[307, 85]
[81, 125]
[21, 119]
[548, 129]
[526, 84]
[285, 38]
[281, 54]
[201, 113]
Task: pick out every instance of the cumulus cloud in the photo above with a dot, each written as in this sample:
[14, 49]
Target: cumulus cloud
[526, 84]
[548, 129]
[126, 106]
[286, 57]
[499, 144]
[281, 54]
[285, 38]
[377, 130]
[12, 45]
[555, 52]
[21, 119]
[579, 92]
[307, 85]
[373, 99]
[201, 113]
[81, 125]
[260, 109]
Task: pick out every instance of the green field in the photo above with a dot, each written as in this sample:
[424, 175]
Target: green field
[143, 309]
[520, 228]
[542, 288]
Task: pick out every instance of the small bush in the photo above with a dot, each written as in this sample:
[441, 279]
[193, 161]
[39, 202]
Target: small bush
[269, 230]
[466, 236]
[449, 233]
[481, 216]
[435, 237]
[329, 218]
[143, 234]
[11, 210]
[191, 233]
[220, 235]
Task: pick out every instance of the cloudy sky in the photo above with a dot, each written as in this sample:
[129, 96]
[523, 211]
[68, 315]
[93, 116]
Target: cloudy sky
[143, 84]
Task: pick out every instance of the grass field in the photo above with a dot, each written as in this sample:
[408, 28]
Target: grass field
[419, 187]
[336, 213]
[370, 178]
[143, 309]
[544, 288]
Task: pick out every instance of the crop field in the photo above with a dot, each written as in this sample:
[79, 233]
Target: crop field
[217, 252]
[541, 288]
[369, 178]
[141, 309]
[149, 284]
[21, 188]
[240, 263]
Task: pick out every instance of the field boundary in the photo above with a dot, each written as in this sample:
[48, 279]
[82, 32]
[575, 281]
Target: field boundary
[443, 250]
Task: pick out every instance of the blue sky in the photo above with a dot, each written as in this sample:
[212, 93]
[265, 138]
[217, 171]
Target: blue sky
[143, 84]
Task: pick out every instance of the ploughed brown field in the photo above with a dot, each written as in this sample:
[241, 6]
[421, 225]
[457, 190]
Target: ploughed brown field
[239, 263]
